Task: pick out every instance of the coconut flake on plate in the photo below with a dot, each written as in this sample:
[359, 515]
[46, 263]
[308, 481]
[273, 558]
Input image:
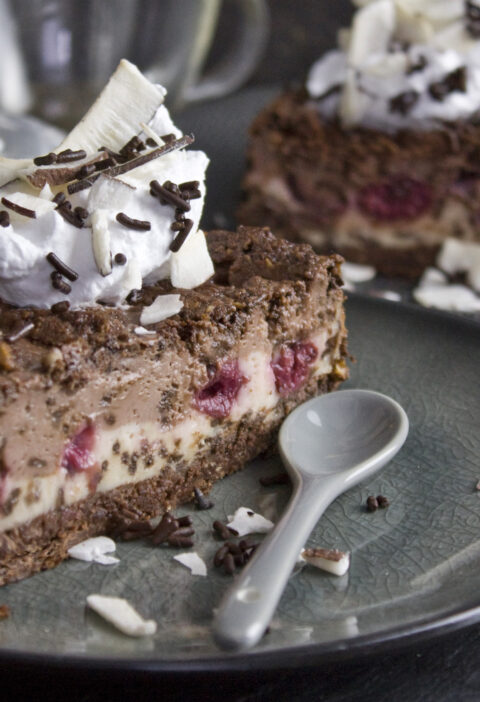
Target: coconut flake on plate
[193, 562]
[453, 298]
[94, 550]
[246, 521]
[331, 560]
[461, 257]
[122, 615]
[141, 331]
[162, 307]
[357, 272]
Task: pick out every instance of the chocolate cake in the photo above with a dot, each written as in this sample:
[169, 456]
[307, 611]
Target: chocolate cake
[102, 423]
[377, 156]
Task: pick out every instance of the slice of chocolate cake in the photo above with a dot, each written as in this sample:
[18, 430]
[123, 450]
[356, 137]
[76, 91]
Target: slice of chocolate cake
[377, 157]
[105, 421]
[139, 358]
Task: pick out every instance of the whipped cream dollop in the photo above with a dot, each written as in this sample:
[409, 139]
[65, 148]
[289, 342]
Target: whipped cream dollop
[402, 64]
[112, 234]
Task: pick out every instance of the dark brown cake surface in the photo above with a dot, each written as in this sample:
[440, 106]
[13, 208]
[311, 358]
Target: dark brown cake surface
[389, 200]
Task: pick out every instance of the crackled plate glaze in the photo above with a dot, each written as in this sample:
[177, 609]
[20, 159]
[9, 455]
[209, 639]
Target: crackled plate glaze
[414, 565]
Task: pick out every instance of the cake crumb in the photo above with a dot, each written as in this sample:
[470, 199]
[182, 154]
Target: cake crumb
[4, 611]
[330, 559]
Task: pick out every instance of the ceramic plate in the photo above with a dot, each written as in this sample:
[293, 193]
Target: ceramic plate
[414, 565]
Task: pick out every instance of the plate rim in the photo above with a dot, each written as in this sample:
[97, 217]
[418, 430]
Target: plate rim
[288, 657]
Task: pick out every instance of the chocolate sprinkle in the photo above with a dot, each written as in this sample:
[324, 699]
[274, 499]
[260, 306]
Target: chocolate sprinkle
[168, 196]
[138, 224]
[4, 218]
[404, 102]
[60, 307]
[453, 82]
[59, 199]
[120, 259]
[61, 267]
[59, 284]
[68, 155]
[19, 209]
[179, 240]
[47, 160]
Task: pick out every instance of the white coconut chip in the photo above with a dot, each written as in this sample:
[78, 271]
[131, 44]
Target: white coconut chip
[461, 257]
[191, 265]
[162, 307]
[454, 298]
[141, 331]
[122, 615]
[193, 562]
[331, 560]
[357, 272]
[246, 521]
[95, 550]
[432, 276]
[101, 241]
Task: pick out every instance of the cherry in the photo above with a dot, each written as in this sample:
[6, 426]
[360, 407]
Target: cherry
[291, 365]
[398, 197]
[217, 397]
[78, 453]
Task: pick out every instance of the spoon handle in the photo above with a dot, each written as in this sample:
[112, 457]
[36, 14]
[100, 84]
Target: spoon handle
[247, 607]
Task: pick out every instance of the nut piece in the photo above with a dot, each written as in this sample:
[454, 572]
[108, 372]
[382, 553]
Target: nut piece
[6, 357]
[53, 360]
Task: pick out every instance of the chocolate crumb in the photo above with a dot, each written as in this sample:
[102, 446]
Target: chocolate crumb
[201, 501]
[382, 501]
[277, 479]
[372, 503]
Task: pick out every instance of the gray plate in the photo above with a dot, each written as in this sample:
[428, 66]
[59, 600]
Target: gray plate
[414, 565]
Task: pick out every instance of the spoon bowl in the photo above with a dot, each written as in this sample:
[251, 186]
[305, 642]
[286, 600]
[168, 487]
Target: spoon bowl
[328, 444]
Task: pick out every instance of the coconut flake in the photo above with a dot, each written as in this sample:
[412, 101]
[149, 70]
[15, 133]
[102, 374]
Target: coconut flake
[101, 241]
[191, 265]
[162, 307]
[357, 272]
[331, 560]
[246, 521]
[455, 298]
[141, 331]
[193, 562]
[94, 550]
[432, 276]
[461, 257]
[122, 615]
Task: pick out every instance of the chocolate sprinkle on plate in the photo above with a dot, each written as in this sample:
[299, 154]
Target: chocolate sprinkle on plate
[19, 209]
[130, 223]
[4, 218]
[61, 267]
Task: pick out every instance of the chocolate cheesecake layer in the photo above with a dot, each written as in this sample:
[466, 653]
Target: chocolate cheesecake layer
[103, 420]
[389, 200]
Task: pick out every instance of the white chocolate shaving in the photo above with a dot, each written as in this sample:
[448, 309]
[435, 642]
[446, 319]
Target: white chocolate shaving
[191, 265]
[246, 521]
[122, 615]
[94, 550]
[162, 307]
[101, 241]
[193, 562]
[331, 560]
[357, 272]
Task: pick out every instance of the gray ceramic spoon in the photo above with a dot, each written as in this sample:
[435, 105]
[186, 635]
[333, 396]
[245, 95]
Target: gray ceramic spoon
[328, 444]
